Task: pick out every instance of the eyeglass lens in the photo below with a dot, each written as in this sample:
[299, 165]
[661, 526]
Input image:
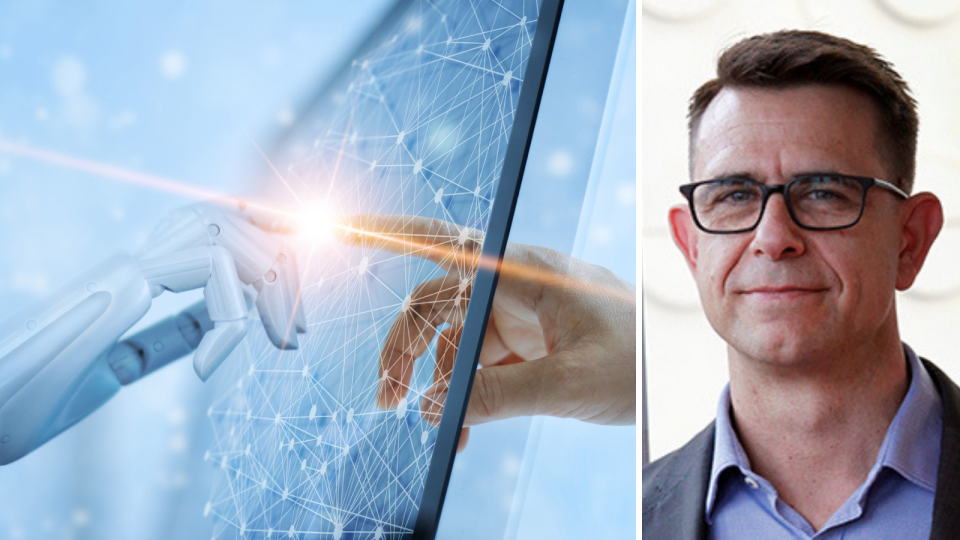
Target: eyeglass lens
[822, 201]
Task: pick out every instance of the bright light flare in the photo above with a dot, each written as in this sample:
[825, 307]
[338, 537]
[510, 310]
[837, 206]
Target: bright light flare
[317, 223]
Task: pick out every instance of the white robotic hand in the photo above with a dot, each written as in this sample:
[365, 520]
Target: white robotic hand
[208, 245]
[59, 359]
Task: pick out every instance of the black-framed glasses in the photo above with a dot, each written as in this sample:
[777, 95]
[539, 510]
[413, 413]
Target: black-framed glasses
[819, 202]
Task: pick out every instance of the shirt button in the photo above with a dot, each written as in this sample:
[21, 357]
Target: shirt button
[751, 482]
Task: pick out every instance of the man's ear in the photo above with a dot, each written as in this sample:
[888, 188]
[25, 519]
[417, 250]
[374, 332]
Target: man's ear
[921, 218]
[684, 232]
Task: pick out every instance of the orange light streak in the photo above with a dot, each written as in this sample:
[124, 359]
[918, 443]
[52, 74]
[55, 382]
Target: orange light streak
[126, 175]
[441, 252]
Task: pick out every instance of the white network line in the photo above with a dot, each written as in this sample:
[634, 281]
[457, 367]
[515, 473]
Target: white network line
[419, 128]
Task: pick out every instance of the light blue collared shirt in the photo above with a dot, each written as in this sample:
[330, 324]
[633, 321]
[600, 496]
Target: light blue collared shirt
[895, 501]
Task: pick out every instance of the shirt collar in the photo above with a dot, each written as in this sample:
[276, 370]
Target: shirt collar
[911, 445]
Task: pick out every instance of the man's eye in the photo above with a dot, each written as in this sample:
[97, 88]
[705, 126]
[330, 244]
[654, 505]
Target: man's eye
[736, 196]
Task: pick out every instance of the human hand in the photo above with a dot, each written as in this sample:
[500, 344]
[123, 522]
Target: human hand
[560, 341]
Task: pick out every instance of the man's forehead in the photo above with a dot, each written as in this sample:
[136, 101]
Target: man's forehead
[822, 123]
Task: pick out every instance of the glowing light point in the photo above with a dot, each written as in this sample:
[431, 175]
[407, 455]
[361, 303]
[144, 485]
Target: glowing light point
[290, 446]
[424, 437]
[402, 409]
[523, 20]
[316, 223]
[250, 371]
[313, 411]
[373, 164]
[286, 493]
[486, 44]
[449, 40]
[319, 440]
[463, 284]
[406, 304]
[418, 166]
[363, 265]
[263, 484]
[305, 371]
[476, 191]
[438, 196]
[277, 419]
[400, 137]
[303, 465]
[270, 532]
[206, 509]
[338, 531]
[507, 77]
[350, 416]
[243, 528]
[291, 533]
[420, 49]
[346, 451]
[464, 236]
[323, 468]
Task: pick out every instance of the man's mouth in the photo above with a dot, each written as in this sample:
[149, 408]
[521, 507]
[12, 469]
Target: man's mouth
[782, 292]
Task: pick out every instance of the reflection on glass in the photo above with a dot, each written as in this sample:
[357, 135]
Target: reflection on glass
[416, 130]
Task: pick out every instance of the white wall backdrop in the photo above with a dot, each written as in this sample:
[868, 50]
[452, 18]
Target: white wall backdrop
[686, 362]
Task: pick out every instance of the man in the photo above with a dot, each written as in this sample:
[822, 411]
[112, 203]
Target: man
[798, 230]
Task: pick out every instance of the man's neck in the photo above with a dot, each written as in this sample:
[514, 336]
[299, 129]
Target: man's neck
[815, 436]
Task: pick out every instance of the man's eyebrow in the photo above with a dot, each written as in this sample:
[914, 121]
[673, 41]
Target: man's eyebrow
[744, 175]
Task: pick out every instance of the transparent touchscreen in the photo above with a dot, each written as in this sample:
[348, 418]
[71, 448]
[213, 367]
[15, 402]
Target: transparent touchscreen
[396, 165]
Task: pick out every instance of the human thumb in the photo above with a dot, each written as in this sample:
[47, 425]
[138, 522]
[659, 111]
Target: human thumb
[519, 389]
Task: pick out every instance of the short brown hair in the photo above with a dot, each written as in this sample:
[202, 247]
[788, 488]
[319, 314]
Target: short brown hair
[792, 58]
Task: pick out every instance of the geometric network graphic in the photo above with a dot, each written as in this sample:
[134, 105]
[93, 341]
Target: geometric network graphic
[419, 127]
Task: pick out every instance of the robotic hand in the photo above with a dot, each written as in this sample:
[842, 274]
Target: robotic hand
[60, 360]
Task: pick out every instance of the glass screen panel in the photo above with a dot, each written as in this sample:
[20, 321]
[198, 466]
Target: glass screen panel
[417, 125]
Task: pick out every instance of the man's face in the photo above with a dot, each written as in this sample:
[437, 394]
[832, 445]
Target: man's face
[779, 293]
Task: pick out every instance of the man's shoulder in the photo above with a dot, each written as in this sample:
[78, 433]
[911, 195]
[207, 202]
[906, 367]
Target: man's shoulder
[684, 468]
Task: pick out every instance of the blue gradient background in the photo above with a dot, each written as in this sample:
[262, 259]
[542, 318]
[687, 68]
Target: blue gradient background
[169, 90]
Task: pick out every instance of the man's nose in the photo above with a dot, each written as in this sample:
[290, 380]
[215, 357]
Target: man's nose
[777, 236]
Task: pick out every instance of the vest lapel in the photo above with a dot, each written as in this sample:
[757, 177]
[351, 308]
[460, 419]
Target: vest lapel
[675, 491]
[946, 503]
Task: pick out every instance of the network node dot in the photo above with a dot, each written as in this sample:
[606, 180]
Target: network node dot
[350, 416]
[323, 468]
[418, 166]
[405, 307]
[292, 533]
[424, 437]
[402, 409]
[313, 411]
[464, 236]
[363, 265]
[206, 509]
[523, 20]
[277, 419]
[438, 196]
[400, 137]
[303, 465]
[305, 371]
[286, 493]
[507, 77]
[338, 531]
